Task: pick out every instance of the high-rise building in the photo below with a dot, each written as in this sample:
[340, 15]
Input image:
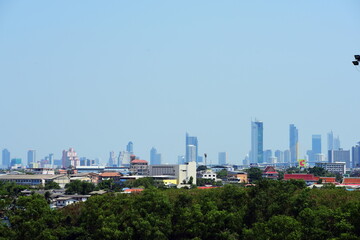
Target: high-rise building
[124, 159]
[5, 158]
[339, 156]
[191, 151]
[316, 147]
[112, 158]
[356, 156]
[70, 159]
[193, 143]
[223, 158]
[16, 162]
[330, 138]
[267, 155]
[155, 157]
[294, 143]
[256, 142]
[279, 155]
[333, 143]
[337, 145]
[129, 147]
[287, 156]
[31, 157]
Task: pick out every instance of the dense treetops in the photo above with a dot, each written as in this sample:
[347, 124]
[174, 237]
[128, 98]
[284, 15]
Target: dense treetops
[269, 210]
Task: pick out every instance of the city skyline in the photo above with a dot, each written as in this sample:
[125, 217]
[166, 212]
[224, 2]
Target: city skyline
[110, 72]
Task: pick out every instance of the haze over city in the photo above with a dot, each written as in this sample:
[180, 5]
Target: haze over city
[95, 75]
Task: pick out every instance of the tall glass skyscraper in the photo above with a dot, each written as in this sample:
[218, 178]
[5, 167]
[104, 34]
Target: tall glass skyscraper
[316, 147]
[129, 147]
[31, 157]
[5, 158]
[294, 143]
[191, 148]
[256, 142]
[223, 158]
[155, 157]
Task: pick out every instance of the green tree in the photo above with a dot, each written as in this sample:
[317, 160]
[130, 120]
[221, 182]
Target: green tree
[79, 187]
[222, 174]
[51, 185]
[254, 174]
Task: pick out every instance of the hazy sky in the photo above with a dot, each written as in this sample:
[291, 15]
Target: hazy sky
[94, 75]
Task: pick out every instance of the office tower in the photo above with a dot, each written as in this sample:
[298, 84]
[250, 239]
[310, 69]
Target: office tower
[267, 155]
[155, 157]
[223, 158]
[51, 158]
[129, 147]
[279, 155]
[191, 153]
[287, 156]
[330, 138]
[181, 159]
[246, 160]
[31, 157]
[5, 158]
[316, 147]
[193, 141]
[16, 162]
[294, 143]
[124, 159]
[112, 158]
[339, 156]
[356, 156]
[256, 142]
[70, 159]
[337, 145]
[333, 143]
[83, 161]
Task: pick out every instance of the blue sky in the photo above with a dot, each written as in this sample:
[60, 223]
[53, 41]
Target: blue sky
[94, 75]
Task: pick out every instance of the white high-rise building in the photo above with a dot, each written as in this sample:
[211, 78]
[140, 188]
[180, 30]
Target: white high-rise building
[223, 158]
[70, 159]
[192, 149]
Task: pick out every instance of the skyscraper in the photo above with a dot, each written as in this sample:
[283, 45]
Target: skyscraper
[356, 156]
[129, 147]
[70, 159]
[316, 146]
[223, 158]
[191, 151]
[193, 142]
[5, 158]
[280, 156]
[112, 158]
[256, 142]
[294, 143]
[333, 143]
[267, 155]
[31, 157]
[155, 157]
[330, 138]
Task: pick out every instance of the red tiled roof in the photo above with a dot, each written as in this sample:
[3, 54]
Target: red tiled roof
[134, 190]
[328, 179]
[351, 181]
[306, 177]
[110, 174]
[139, 161]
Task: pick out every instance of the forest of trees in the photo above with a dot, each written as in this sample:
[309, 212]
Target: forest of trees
[269, 210]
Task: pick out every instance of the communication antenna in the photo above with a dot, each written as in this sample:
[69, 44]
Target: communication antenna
[205, 156]
[356, 62]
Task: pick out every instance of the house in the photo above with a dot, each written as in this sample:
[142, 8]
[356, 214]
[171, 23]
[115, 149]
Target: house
[115, 176]
[139, 167]
[237, 177]
[270, 173]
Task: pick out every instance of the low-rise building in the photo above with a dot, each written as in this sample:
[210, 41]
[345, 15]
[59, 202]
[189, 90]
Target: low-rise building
[237, 177]
[334, 167]
[181, 172]
[139, 167]
[115, 176]
[36, 179]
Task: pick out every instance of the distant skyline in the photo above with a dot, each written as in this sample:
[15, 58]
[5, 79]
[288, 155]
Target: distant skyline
[95, 75]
